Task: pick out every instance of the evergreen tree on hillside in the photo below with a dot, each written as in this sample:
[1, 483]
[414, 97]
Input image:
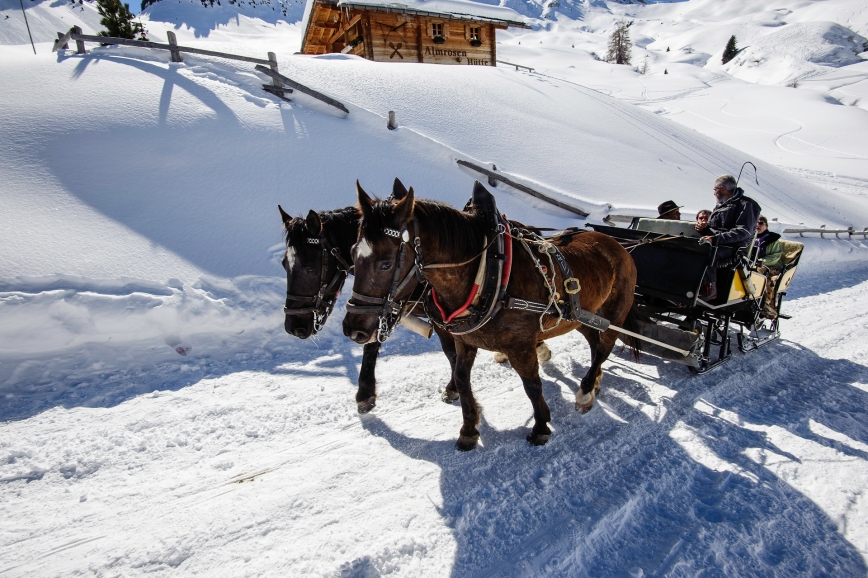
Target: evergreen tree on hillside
[118, 20]
[620, 47]
[730, 51]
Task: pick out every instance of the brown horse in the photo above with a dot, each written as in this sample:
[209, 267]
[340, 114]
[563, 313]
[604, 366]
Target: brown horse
[444, 235]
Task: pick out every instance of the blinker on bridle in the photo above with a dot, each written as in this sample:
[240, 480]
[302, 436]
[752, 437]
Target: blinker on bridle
[322, 303]
[389, 308]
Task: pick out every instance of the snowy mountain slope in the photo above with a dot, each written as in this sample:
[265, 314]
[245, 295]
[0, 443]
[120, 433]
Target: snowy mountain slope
[46, 18]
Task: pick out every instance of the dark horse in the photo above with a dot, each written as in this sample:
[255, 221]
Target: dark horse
[317, 262]
[445, 235]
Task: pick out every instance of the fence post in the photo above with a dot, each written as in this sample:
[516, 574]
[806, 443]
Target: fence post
[79, 44]
[176, 54]
[393, 123]
[491, 180]
[59, 36]
[272, 62]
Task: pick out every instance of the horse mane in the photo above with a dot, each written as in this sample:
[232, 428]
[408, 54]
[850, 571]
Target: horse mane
[449, 227]
[340, 226]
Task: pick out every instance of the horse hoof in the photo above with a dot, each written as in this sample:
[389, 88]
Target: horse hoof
[585, 401]
[540, 440]
[367, 405]
[543, 353]
[449, 397]
[500, 357]
[465, 443]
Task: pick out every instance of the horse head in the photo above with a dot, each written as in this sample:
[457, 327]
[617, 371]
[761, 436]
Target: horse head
[383, 260]
[315, 270]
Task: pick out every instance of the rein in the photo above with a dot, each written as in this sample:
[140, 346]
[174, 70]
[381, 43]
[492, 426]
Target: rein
[323, 302]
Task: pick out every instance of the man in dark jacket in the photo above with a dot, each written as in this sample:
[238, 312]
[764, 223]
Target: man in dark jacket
[731, 226]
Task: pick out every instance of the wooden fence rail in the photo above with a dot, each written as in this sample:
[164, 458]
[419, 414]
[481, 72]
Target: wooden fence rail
[493, 176]
[517, 66]
[277, 79]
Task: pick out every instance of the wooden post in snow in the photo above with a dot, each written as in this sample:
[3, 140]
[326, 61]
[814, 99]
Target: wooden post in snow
[272, 62]
[176, 55]
[60, 36]
[79, 44]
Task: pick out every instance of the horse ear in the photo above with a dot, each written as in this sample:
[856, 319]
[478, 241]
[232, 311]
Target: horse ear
[365, 202]
[399, 191]
[314, 224]
[403, 209]
[286, 218]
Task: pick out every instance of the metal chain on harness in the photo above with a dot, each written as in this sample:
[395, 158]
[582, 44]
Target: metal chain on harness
[547, 249]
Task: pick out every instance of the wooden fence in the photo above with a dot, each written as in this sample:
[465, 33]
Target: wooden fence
[276, 87]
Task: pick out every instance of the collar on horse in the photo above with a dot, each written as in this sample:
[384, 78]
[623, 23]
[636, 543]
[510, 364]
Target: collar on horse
[324, 301]
[492, 276]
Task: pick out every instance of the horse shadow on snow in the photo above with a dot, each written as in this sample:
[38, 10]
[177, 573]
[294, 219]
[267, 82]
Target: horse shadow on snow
[712, 484]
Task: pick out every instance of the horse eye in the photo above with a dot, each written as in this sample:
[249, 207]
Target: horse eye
[385, 266]
[309, 269]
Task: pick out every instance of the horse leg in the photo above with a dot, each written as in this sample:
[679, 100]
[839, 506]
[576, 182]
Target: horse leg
[447, 343]
[366, 396]
[526, 364]
[601, 346]
[464, 357]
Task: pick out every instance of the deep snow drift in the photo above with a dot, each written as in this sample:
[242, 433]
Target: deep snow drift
[159, 419]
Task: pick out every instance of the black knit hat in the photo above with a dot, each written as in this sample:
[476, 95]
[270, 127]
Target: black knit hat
[666, 207]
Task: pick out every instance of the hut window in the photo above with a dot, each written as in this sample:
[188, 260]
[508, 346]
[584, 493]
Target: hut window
[474, 33]
[436, 29]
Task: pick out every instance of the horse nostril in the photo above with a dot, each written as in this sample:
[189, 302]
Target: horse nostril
[301, 332]
[359, 336]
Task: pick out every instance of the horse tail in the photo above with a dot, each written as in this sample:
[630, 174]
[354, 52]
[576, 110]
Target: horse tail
[633, 322]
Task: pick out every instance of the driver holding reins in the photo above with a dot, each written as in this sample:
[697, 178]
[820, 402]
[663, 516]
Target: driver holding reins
[730, 227]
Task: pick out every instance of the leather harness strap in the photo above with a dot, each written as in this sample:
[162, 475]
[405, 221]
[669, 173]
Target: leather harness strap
[323, 302]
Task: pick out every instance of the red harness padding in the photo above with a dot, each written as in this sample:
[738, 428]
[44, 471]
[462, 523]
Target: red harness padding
[507, 266]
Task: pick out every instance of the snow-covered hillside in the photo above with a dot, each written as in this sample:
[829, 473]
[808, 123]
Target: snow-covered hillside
[158, 419]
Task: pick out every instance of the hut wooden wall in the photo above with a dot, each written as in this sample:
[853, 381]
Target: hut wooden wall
[397, 37]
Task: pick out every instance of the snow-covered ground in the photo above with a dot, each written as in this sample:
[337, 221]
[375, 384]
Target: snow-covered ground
[157, 418]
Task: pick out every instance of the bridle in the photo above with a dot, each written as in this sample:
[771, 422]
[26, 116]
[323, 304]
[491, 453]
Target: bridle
[324, 301]
[389, 308]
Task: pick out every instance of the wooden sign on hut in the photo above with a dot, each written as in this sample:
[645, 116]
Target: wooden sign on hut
[433, 31]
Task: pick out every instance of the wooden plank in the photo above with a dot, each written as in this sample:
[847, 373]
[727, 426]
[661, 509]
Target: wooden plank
[302, 88]
[173, 41]
[62, 40]
[491, 39]
[272, 88]
[343, 30]
[278, 92]
[146, 44]
[79, 44]
[522, 188]
[369, 42]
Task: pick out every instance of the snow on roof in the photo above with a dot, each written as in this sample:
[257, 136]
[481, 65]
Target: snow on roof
[456, 8]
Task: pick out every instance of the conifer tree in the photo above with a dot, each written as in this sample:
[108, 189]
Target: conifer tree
[118, 20]
[730, 51]
[620, 47]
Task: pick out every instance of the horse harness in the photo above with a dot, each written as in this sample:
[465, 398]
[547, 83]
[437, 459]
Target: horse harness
[324, 301]
[488, 295]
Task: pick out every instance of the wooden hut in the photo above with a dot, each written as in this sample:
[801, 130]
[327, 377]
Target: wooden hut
[433, 31]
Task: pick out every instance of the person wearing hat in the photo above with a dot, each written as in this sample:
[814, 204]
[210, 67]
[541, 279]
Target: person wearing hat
[668, 210]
